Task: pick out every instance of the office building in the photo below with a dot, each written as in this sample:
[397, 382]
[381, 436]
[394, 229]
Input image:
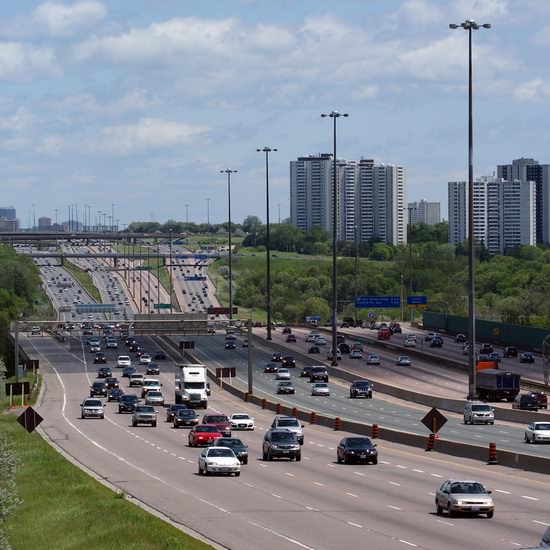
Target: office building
[527, 169]
[44, 222]
[425, 212]
[9, 226]
[7, 213]
[371, 198]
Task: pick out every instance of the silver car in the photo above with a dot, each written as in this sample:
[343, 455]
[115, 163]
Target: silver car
[464, 496]
[92, 408]
[403, 361]
[320, 388]
[481, 413]
[154, 398]
[373, 360]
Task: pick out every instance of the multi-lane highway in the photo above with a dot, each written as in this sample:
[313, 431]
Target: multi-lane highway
[315, 503]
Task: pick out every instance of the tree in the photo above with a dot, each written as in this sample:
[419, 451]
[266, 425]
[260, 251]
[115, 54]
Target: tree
[251, 224]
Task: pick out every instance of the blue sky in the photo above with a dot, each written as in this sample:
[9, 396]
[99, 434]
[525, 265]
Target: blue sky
[142, 103]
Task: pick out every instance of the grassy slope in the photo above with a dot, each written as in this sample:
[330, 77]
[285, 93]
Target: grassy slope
[84, 279]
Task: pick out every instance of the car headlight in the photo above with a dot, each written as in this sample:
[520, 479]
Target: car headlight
[457, 502]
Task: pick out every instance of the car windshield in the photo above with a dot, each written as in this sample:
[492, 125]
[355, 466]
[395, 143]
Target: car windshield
[230, 443]
[144, 409]
[226, 453]
[542, 426]
[194, 385]
[154, 394]
[151, 383]
[362, 385]
[187, 413]
[281, 436]
[321, 385]
[129, 398]
[285, 384]
[284, 422]
[209, 429]
[216, 418]
[481, 408]
[356, 442]
[270, 365]
[470, 488]
[177, 407]
[240, 417]
[93, 403]
[99, 384]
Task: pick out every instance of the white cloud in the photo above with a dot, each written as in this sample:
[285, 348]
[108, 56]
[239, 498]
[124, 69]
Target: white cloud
[422, 12]
[22, 62]
[149, 134]
[480, 9]
[19, 122]
[52, 144]
[536, 89]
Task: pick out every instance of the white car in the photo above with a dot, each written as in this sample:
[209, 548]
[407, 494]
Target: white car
[136, 379]
[338, 355]
[154, 397]
[149, 384]
[410, 343]
[145, 359]
[123, 361]
[403, 361]
[283, 374]
[356, 354]
[241, 421]
[373, 360]
[537, 432]
[321, 341]
[219, 460]
[311, 338]
[92, 408]
[320, 388]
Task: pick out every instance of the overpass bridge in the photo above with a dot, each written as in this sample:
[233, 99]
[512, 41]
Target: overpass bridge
[10, 237]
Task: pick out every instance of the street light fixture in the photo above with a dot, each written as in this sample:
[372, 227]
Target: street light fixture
[470, 25]
[334, 115]
[228, 171]
[267, 150]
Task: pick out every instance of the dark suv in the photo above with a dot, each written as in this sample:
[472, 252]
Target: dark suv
[360, 388]
[98, 388]
[318, 373]
[288, 361]
[127, 403]
[510, 351]
[542, 399]
[486, 349]
[526, 402]
[279, 443]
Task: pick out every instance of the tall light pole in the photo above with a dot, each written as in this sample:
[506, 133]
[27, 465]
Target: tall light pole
[267, 150]
[208, 213]
[279, 207]
[170, 269]
[356, 260]
[410, 262]
[334, 115]
[470, 25]
[186, 214]
[228, 171]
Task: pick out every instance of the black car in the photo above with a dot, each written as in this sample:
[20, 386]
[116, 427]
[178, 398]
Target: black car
[98, 388]
[111, 382]
[510, 351]
[290, 338]
[526, 402]
[344, 324]
[344, 348]
[230, 344]
[288, 361]
[460, 338]
[285, 387]
[185, 417]
[356, 449]
[527, 357]
[271, 367]
[129, 341]
[128, 371]
[486, 348]
[104, 372]
[140, 351]
[360, 388]
[277, 357]
[114, 394]
[314, 349]
[127, 403]
[152, 368]
[134, 346]
[236, 445]
[160, 356]
[306, 369]
[172, 410]
[340, 339]
[287, 330]
[100, 357]
[318, 373]
[436, 342]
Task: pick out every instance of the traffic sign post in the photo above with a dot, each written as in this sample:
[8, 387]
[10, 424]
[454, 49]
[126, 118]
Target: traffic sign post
[162, 306]
[434, 420]
[377, 301]
[30, 419]
[417, 302]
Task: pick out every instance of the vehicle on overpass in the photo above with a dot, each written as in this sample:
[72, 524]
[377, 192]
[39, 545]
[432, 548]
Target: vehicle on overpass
[495, 384]
[191, 385]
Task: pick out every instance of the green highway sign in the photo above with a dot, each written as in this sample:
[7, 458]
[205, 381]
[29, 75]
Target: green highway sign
[162, 306]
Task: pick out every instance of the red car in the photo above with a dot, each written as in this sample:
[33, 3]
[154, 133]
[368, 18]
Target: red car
[203, 434]
[220, 421]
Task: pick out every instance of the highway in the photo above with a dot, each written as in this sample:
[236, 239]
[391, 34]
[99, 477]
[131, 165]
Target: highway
[381, 410]
[312, 504]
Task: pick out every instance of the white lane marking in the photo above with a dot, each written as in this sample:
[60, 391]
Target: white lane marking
[435, 475]
[515, 543]
[445, 522]
[502, 491]
[249, 485]
[276, 496]
[331, 465]
[320, 484]
[355, 524]
[394, 483]
[399, 466]
[540, 522]
[393, 507]
[352, 495]
[181, 458]
[384, 462]
[529, 498]
[418, 471]
[359, 473]
[312, 509]
[263, 465]
[407, 542]
[433, 494]
[289, 474]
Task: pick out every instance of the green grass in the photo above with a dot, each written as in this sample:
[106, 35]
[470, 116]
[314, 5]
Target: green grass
[43, 309]
[83, 279]
[216, 240]
[64, 508]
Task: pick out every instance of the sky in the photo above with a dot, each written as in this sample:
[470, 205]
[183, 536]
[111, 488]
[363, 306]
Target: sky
[141, 103]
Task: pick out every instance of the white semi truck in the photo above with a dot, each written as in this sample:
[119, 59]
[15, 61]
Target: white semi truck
[192, 388]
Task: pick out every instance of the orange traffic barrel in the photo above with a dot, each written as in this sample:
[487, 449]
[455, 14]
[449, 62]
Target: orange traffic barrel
[312, 417]
[337, 423]
[264, 403]
[375, 431]
[277, 408]
[294, 412]
[492, 453]
[431, 439]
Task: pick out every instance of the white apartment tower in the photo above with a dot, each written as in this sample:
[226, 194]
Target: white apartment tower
[457, 211]
[425, 212]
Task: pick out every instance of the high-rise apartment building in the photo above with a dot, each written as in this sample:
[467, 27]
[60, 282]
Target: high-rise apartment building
[371, 198]
[7, 213]
[425, 212]
[527, 169]
[504, 213]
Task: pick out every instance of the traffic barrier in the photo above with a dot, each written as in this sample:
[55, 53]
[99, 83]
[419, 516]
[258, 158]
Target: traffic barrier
[430, 446]
[375, 431]
[312, 417]
[264, 403]
[246, 396]
[337, 423]
[294, 412]
[492, 453]
[277, 408]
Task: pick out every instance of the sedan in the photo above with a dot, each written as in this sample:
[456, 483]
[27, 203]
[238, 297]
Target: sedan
[338, 355]
[160, 356]
[94, 348]
[172, 410]
[373, 360]
[356, 354]
[145, 359]
[114, 394]
[321, 341]
[410, 343]
[104, 372]
[127, 403]
[152, 368]
[457, 496]
[111, 382]
[92, 408]
[314, 349]
[128, 371]
[290, 338]
[283, 374]
[154, 398]
[286, 387]
[219, 460]
[538, 432]
[241, 421]
[230, 344]
[320, 388]
[185, 417]
[100, 357]
[527, 357]
[277, 357]
[270, 367]
[203, 434]
[403, 361]
[236, 445]
[356, 449]
[306, 371]
[123, 361]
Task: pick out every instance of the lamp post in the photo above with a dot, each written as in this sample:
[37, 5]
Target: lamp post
[208, 213]
[186, 214]
[356, 259]
[470, 25]
[410, 263]
[334, 115]
[170, 269]
[267, 150]
[228, 171]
